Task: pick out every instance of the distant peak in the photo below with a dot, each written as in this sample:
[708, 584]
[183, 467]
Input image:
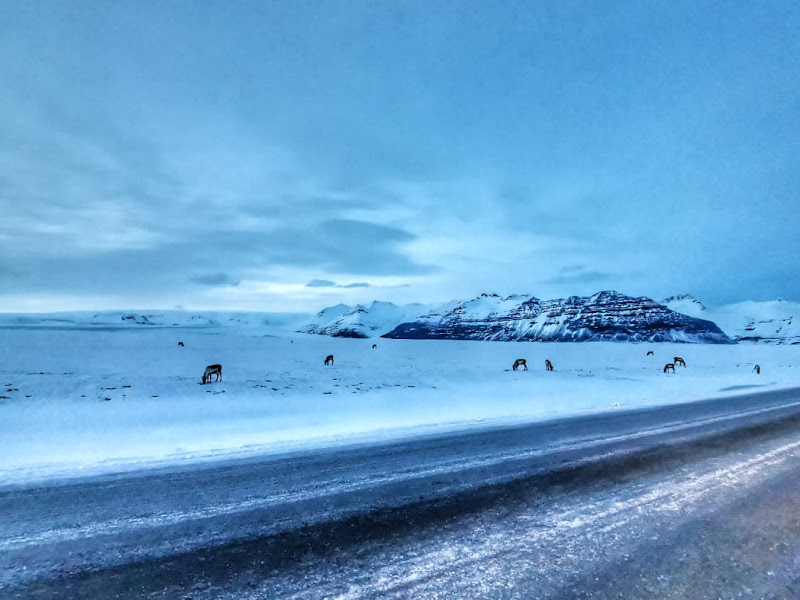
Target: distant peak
[604, 295]
[685, 299]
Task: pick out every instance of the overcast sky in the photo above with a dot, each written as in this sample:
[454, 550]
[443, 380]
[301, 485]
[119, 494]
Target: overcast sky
[291, 155]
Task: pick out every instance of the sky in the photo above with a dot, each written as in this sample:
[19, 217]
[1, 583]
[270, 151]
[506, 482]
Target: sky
[287, 156]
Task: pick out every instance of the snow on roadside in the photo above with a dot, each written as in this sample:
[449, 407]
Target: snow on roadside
[87, 401]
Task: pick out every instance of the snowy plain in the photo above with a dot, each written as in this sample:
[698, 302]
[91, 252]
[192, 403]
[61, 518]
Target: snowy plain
[93, 398]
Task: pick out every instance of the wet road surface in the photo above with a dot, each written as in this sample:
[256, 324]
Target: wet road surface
[696, 500]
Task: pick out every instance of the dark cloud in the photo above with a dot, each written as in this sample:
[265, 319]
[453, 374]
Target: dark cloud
[572, 269]
[321, 283]
[218, 259]
[215, 280]
[334, 245]
[351, 246]
[575, 275]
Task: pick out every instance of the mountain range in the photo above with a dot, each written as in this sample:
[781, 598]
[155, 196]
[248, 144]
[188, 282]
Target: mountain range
[606, 315]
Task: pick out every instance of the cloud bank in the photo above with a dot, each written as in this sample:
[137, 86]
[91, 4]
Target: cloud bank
[258, 158]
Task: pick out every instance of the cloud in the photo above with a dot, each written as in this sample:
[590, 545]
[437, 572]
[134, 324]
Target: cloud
[345, 246]
[571, 269]
[220, 258]
[120, 177]
[363, 247]
[318, 283]
[215, 280]
[571, 275]
[321, 283]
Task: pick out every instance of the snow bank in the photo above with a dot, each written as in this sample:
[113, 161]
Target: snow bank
[76, 400]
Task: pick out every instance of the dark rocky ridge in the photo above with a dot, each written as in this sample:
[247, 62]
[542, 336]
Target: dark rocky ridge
[605, 316]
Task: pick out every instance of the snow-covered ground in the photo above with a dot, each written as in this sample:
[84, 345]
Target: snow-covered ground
[99, 398]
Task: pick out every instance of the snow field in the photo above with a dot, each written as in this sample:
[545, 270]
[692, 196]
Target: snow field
[88, 401]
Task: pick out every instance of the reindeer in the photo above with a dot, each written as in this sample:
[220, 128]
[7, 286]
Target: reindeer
[180, 344]
[329, 360]
[374, 346]
[212, 370]
[650, 353]
[669, 367]
[757, 369]
[518, 362]
[679, 361]
[548, 366]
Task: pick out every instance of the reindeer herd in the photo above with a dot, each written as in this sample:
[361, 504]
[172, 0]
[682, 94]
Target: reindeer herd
[669, 367]
[677, 361]
[212, 370]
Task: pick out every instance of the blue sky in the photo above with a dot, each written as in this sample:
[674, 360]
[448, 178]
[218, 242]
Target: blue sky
[291, 155]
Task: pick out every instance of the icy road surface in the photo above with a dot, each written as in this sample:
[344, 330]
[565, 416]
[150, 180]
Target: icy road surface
[696, 500]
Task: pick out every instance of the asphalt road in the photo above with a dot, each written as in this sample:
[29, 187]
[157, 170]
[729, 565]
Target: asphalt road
[689, 501]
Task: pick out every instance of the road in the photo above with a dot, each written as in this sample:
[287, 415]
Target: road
[697, 500]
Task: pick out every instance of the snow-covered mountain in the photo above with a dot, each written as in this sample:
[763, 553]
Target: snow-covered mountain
[772, 322]
[362, 321]
[255, 321]
[606, 315]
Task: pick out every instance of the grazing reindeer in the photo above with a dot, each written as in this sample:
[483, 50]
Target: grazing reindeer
[679, 361]
[329, 360]
[520, 362]
[180, 344]
[374, 346]
[548, 366]
[757, 369]
[650, 353]
[669, 367]
[212, 370]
